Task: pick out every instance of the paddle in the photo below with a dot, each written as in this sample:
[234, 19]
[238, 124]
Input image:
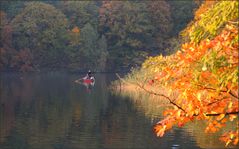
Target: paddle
[78, 80]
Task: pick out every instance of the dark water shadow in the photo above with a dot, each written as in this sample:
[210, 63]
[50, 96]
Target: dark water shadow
[50, 111]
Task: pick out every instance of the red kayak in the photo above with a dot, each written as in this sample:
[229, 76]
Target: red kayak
[88, 80]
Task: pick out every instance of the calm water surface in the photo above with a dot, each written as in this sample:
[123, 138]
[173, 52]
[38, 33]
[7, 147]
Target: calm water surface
[50, 111]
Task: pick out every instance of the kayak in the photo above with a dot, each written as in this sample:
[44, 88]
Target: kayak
[88, 80]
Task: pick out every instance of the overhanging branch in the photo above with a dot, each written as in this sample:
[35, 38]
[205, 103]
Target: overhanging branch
[175, 104]
[227, 113]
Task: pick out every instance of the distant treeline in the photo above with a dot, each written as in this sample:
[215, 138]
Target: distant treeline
[81, 35]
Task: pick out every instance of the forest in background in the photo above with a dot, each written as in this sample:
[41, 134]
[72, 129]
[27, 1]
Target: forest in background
[82, 35]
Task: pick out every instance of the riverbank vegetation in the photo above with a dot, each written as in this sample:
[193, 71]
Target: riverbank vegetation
[153, 106]
[189, 50]
[202, 74]
[82, 35]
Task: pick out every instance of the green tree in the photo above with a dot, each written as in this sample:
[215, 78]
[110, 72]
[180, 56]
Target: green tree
[129, 31]
[93, 49]
[3, 22]
[12, 8]
[160, 16]
[43, 29]
[88, 39]
[80, 13]
[11, 59]
[103, 53]
[182, 14]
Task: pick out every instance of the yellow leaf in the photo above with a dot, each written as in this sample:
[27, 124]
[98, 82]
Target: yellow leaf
[231, 136]
[204, 68]
[220, 117]
[230, 105]
[178, 113]
[232, 117]
[199, 96]
[169, 92]
[228, 142]
[156, 70]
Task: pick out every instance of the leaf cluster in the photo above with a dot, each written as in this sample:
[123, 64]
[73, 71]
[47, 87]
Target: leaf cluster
[211, 19]
[206, 78]
[203, 73]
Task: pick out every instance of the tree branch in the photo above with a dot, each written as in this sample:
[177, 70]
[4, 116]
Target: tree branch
[227, 113]
[216, 101]
[230, 92]
[162, 95]
[224, 91]
[173, 103]
[233, 95]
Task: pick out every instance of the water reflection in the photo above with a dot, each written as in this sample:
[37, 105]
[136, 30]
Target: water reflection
[153, 107]
[50, 111]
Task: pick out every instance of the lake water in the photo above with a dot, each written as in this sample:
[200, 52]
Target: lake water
[50, 111]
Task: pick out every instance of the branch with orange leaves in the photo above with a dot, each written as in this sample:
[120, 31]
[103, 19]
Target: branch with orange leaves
[178, 106]
[162, 95]
[225, 91]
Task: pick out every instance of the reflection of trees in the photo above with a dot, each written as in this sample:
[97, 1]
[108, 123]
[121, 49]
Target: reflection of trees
[47, 111]
[50, 111]
[86, 134]
[150, 107]
[45, 123]
[11, 88]
[207, 140]
[6, 119]
[126, 126]
[119, 124]
[40, 109]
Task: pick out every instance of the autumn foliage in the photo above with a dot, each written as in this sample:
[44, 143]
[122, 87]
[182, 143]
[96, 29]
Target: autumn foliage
[206, 78]
[203, 74]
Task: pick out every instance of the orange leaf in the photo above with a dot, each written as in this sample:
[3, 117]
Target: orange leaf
[75, 30]
[235, 141]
